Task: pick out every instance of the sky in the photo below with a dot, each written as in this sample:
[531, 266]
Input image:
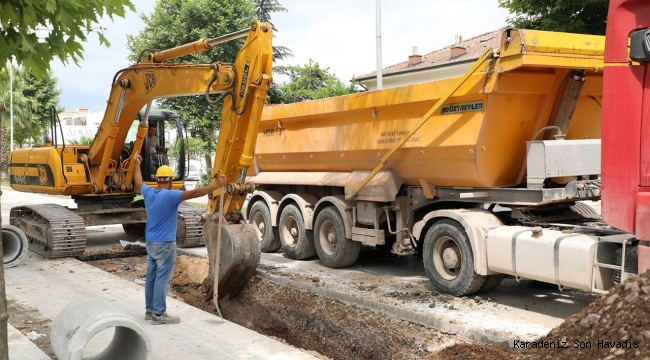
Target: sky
[338, 34]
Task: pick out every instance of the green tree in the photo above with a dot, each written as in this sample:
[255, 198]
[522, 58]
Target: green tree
[308, 82]
[12, 97]
[574, 16]
[34, 32]
[264, 9]
[44, 94]
[82, 140]
[176, 22]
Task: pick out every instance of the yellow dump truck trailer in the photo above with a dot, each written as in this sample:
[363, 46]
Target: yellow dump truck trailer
[482, 173]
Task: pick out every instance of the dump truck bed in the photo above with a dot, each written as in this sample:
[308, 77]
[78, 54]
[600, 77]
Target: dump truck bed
[476, 139]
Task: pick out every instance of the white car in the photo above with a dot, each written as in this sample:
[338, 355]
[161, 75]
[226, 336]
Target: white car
[193, 173]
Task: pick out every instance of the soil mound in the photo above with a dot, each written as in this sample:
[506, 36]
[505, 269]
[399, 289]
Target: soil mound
[469, 351]
[615, 326]
[189, 270]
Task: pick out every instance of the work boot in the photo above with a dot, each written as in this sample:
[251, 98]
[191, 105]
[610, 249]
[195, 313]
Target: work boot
[164, 318]
[147, 314]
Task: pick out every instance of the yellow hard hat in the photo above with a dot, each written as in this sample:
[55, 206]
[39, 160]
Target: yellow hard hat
[164, 172]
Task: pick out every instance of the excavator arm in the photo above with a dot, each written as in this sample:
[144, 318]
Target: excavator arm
[100, 176]
[233, 246]
[139, 84]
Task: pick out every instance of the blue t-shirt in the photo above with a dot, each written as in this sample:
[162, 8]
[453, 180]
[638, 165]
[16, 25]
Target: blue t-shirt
[162, 210]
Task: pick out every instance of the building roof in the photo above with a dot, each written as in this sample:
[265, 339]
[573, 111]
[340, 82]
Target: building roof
[475, 47]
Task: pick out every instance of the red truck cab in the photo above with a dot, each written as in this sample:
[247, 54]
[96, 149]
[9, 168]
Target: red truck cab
[626, 122]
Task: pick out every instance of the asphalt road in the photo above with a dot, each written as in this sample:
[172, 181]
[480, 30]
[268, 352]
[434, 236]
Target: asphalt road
[522, 310]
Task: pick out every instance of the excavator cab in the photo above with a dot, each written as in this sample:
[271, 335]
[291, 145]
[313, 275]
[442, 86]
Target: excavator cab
[164, 132]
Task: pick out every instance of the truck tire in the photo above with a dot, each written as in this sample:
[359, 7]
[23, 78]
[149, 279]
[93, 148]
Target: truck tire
[260, 218]
[297, 242]
[135, 229]
[491, 283]
[449, 260]
[332, 247]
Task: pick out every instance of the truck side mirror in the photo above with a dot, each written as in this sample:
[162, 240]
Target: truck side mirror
[640, 45]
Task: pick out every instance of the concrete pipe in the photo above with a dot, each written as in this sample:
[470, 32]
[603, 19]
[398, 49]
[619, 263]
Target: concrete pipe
[14, 245]
[82, 319]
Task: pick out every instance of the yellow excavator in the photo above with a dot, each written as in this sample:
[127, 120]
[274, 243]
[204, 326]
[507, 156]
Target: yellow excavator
[99, 177]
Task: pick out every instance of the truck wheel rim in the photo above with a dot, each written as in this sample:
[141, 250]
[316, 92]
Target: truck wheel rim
[447, 259]
[259, 225]
[289, 228]
[328, 237]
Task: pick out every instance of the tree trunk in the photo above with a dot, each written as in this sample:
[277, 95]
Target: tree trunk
[208, 163]
[4, 153]
[4, 315]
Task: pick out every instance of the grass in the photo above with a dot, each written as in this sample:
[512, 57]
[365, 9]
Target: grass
[198, 205]
[204, 206]
[4, 183]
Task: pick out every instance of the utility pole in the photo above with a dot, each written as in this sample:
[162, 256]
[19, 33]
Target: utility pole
[379, 80]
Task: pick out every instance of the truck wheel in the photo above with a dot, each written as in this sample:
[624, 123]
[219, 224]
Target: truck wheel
[135, 229]
[491, 282]
[333, 248]
[449, 261]
[260, 218]
[298, 242]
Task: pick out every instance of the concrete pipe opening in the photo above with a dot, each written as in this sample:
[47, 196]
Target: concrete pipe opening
[14, 245]
[83, 320]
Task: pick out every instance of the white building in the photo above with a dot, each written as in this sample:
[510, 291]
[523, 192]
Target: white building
[77, 124]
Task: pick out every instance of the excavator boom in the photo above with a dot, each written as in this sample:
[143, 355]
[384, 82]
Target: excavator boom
[100, 176]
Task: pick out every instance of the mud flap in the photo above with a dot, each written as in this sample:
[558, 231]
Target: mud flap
[239, 257]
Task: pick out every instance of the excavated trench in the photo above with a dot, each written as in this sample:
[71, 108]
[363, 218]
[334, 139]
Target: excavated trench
[323, 326]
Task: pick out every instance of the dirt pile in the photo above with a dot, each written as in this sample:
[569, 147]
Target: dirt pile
[616, 326]
[189, 270]
[469, 351]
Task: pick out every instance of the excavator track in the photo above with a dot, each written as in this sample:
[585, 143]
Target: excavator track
[189, 231]
[52, 230]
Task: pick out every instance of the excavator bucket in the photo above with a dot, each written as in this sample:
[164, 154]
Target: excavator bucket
[238, 258]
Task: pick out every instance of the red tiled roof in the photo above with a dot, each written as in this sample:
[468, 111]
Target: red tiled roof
[475, 47]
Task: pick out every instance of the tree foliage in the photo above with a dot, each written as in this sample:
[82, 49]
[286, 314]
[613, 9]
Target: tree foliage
[12, 97]
[264, 9]
[308, 82]
[44, 94]
[177, 22]
[82, 140]
[574, 16]
[34, 32]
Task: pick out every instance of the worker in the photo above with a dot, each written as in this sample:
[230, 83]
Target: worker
[161, 204]
[157, 153]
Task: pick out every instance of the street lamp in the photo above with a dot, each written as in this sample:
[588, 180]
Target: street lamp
[11, 106]
[379, 80]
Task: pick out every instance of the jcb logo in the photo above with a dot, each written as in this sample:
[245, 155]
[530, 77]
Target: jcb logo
[42, 175]
[149, 80]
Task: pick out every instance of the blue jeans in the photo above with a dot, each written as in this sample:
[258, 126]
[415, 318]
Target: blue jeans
[161, 258]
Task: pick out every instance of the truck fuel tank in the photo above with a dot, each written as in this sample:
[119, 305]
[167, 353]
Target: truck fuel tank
[552, 256]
